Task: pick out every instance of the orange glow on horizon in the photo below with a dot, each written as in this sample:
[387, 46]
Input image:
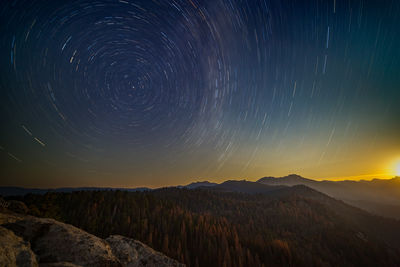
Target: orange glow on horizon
[360, 177]
[392, 170]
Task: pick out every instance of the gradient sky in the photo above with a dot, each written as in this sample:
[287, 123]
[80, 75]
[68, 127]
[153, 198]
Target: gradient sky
[151, 93]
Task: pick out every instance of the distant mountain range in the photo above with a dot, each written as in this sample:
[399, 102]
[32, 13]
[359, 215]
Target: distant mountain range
[376, 190]
[378, 196]
[199, 184]
[21, 191]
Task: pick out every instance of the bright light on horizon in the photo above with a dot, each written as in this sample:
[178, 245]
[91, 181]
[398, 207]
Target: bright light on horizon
[398, 168]
[394, 168]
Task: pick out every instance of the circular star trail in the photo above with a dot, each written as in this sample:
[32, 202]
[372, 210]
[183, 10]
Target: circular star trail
[119, 70]
[192, 88]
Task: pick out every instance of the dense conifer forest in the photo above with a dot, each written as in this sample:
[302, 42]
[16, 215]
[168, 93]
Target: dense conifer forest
[212, 228]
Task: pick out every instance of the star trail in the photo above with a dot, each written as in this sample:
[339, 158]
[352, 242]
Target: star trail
[131, 93]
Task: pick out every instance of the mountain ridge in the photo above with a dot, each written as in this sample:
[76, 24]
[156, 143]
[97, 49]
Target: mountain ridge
[378, 196]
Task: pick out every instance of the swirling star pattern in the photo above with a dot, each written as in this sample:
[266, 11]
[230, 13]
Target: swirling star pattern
[155, 92]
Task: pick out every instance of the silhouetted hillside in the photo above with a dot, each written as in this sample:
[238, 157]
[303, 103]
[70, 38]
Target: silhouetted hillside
[199, 184]
[378, 196]
[243, 187]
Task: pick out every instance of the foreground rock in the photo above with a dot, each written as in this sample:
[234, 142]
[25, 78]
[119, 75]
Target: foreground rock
[27, 240]
[133, 253]
[14, 251]
[54, 242]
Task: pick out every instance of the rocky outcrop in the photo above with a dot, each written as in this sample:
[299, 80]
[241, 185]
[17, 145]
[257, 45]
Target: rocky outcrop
[27, 240]
[55, 242]
[14, 251]
[133, 253]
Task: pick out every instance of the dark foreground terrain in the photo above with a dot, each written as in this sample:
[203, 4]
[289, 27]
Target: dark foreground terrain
[236, 223]
[30, 242]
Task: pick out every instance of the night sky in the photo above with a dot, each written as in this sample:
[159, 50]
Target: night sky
[156, 92]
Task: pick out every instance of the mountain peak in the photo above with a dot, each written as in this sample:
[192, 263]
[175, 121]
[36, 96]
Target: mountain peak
[199, 184]
[289, 180]
[294, 176]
